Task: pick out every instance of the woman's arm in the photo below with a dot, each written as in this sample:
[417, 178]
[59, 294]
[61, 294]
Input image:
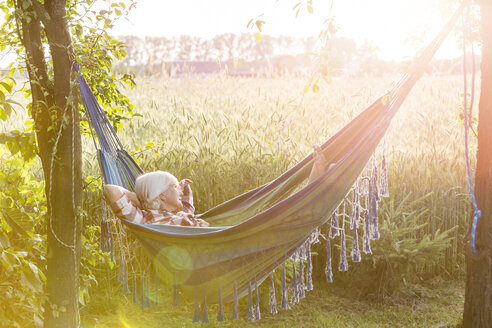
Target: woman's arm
[127, 208]
[112, 193]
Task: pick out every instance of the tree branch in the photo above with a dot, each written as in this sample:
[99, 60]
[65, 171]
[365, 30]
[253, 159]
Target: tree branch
[42, 13]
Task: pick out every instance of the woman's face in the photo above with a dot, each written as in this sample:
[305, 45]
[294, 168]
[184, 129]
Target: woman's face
[172, 198]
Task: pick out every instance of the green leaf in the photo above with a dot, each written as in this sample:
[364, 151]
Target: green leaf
[7, 86]
[9, 259]
[4, 241]
[7, 108]
[17, 220]
[249, 23]
[3, 115]
[259, 24]
[31, 281]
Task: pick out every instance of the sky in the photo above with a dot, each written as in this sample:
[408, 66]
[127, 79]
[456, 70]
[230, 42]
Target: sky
[387, 24]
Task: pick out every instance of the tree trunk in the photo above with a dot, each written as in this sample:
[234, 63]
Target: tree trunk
[57, 126]
[66, 181]
[478, 295]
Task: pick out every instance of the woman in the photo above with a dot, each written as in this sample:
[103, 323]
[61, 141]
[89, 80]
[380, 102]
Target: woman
[161, 199]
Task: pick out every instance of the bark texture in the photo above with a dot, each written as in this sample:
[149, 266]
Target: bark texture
[478, 295]
[57, 126]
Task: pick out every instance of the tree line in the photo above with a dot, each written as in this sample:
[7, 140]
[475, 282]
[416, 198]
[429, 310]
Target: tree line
[154, 55]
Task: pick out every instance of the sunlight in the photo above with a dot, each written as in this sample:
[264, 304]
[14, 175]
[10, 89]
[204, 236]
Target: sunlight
[123, 321]
[396, 28]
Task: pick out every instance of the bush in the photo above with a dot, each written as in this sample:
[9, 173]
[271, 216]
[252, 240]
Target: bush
[400, 258]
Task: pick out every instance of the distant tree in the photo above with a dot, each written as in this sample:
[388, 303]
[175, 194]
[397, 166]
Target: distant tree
[245, 44]
[185, 48]
[264, 49]
[205, 50]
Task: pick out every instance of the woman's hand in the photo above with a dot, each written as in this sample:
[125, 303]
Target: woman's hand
[320, 164]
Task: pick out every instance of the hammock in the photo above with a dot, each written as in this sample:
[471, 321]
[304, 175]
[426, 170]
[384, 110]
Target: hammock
[256, 232]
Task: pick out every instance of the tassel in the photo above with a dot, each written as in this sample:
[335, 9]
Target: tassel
[273, 301]
[302, 252]
[156, 287]
[106, 244]
[220, 314]
[104, 209]
[373, 205]
[196, 316]
[334, 225]
[204, 306]
[148, 304]
[142, 293]
[295, 296]
[257, 305]
[328, 271]
[175, 292]
[375, 178]
[121, 268]
[343, 253]
[249, 310]
[111, 254]
[314, 238]
[126, 289]
[300, 281]
[355, 211]
[355, 247]
[384, 178]
[309, 264]
[134, 291]
[366, 239]
[285, 303]
[295, 255]
[176, 296]
[235, 313]
[124, 277]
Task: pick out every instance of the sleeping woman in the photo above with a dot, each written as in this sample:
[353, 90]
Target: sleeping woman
[160, 199]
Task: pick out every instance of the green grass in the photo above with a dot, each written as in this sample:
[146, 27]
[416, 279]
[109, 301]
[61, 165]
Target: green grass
[327, 306]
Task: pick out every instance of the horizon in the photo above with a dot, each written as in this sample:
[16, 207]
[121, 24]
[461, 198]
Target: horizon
[413, 23]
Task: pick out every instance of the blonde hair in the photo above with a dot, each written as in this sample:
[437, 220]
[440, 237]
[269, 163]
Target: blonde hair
[149, 186]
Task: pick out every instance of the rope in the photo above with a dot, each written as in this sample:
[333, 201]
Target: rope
[467, 122]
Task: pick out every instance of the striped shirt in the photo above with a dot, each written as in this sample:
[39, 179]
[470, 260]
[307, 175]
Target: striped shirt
[125, 209]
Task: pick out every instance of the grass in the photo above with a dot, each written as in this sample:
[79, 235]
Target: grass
[326, 306]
